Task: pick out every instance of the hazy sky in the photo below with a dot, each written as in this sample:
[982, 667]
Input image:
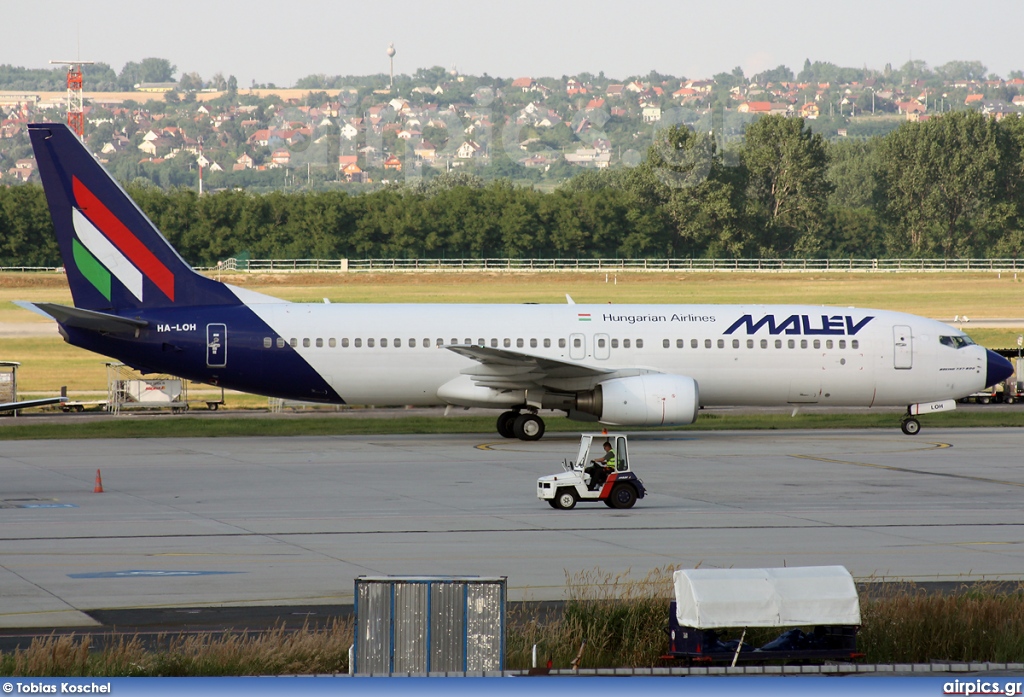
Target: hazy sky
[280, 42]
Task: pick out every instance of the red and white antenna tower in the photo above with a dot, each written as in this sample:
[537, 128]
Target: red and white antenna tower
[76, 107]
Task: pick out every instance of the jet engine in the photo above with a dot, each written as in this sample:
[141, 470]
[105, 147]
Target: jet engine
[642, 400]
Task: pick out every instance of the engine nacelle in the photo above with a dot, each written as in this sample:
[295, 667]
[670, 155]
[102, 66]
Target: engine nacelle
[643, 400]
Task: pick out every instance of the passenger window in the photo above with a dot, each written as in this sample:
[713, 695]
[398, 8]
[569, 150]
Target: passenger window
[721, 343]
[679, 343]
[817, 343]
[764, 343]
[344, 343]
[561, 343]
[735, 343]
[305, 343]
[750, 343]
[854, 344]
[332, 342]
[267, 342]
[507, 343]
[439, 343]
[359, 343]
[693, 343]
[294, 343]
[639, 343]
[707, 343]
[369, 343]
[576, 343]
[494, 343]
[665, 343]
[803, 343]
[828, 343]
[426, 343]
[280, 342]
[383, 343]
[600, 343]
[625, 343]
[778, 343]
[520, 343]
[791, 343]
[398, 343]
[481, 342]
[469, 341]
[842, 343]
[547, 343]
[615, 343]
[412, 343]
[319, 343]
[454, 341]
[533, 343]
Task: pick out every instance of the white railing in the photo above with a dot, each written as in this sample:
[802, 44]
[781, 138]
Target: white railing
[603, 265]
[625, 265]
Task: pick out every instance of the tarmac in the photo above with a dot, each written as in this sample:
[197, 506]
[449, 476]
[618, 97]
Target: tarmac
[235, 522]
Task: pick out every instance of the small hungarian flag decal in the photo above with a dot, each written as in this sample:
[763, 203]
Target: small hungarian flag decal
[584, 316]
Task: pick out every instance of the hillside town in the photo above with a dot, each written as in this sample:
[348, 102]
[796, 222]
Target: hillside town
[361, 133]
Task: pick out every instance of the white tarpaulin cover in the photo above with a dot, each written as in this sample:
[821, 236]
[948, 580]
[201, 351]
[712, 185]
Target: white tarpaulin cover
[789, 597]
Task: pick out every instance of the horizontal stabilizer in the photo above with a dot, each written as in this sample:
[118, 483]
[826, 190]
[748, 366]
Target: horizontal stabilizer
[87, 319]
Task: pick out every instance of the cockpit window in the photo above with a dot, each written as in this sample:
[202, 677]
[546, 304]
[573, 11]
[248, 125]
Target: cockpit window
[957, 342]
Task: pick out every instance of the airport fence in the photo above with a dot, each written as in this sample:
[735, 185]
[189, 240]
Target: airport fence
[599, 265]
[625, 265]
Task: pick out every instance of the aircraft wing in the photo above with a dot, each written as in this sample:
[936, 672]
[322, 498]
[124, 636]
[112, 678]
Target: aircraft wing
[504, 369]
[28, 403]
[85, 319]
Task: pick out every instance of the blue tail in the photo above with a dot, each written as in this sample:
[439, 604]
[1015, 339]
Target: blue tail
[116, 260]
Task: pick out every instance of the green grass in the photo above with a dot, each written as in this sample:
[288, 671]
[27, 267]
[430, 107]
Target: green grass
[183, 426]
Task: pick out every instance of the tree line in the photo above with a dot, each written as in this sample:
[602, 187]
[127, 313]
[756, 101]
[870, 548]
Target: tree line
[949, 187]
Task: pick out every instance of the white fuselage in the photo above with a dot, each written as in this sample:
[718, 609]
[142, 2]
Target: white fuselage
[737, 354]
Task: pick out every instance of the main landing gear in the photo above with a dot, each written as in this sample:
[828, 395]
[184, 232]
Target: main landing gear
[513, 424]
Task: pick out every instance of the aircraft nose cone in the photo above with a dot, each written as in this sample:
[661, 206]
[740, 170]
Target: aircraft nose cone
[998, 369]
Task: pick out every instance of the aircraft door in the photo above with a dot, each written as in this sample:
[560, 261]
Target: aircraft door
[602, 350]
[903, 343]
[577, 347]
[216, 345]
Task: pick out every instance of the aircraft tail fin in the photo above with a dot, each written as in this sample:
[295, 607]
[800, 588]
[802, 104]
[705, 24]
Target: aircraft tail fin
[115, 258]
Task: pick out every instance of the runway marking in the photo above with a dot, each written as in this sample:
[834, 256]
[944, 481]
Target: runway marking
[909, 470]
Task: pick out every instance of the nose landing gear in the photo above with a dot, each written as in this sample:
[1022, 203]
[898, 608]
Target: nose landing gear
[910, 426]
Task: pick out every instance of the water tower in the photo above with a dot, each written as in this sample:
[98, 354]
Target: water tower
[391, 57]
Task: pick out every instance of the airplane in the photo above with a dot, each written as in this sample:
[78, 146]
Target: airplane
[137, 301]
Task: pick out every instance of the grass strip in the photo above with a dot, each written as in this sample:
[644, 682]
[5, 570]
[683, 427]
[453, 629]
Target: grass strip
[182, 426]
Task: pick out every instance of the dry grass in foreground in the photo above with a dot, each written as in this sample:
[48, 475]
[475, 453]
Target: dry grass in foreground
[621, 618]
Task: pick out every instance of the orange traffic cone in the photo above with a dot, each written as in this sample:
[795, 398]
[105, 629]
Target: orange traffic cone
[98, 489]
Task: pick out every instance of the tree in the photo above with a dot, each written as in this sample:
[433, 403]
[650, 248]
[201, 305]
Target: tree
[190, 82]
[949, 185]
[787, 188]
[779, 74]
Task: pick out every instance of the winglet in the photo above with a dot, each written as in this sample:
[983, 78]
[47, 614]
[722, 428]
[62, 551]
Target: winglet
[569, 299]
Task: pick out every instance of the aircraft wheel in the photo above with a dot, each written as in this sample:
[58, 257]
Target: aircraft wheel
[565, 499]
[528, 427]
[506, 424]
[911, 427]
[623, 496]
